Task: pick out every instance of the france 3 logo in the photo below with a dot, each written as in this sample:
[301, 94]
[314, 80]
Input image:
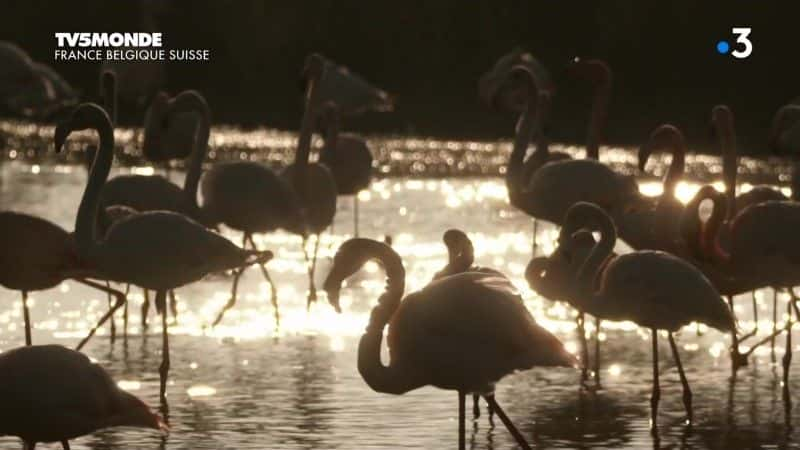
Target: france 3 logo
[744, 46]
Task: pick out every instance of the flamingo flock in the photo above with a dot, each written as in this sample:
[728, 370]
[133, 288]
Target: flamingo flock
[468, 327]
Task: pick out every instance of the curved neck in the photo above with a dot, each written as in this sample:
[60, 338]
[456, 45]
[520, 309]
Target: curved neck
[381, 378]
[710, 232]
[591, 266]
[304, 138]
[676, 169]
[598, 119]
[85, 223]
[109, 91]
[795, 178]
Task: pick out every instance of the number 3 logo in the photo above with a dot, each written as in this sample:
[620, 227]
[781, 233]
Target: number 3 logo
[741, 38]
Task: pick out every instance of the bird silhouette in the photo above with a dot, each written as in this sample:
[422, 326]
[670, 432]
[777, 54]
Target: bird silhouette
[157, 250]
[653, 289]
[53, 394]
[462, 332]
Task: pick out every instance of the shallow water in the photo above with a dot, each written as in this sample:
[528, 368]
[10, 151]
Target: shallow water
[248, 385]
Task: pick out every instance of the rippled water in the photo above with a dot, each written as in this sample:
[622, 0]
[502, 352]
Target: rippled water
[248, 385]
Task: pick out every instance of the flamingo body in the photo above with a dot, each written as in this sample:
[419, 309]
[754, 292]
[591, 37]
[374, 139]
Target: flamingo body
[250, 197]
[52, 394]
[350, 163]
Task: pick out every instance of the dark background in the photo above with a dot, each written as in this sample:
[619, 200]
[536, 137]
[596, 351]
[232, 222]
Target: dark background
[431, 53]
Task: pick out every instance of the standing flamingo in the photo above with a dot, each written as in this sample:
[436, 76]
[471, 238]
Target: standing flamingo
[552, 278]
[184, 121]
[761, 248]
[555, 186]
[534, 110]
[53, 394]
[463, 332]
[37, 255]
[158, 250]
[654, 289]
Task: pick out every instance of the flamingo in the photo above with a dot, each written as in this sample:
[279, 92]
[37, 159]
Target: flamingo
[654, 289]
[30, 88]
[37, 255]
[651, 224]
[157, 250]
[555, 186]
[348, 158]
[551, 277]
[184, 121]
[463, 332]
[54, 394]
[495, 91]
[531, 121]
[761, 248]
[461, 256]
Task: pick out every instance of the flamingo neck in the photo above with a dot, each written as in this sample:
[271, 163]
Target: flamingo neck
[514, 171]
[595, 262]
[86, 221]
[710, 233]
[730, 163]
[598, 119]
[304, 138]
[109, 91]
[675, 172]
[199, 152]
[795, 184]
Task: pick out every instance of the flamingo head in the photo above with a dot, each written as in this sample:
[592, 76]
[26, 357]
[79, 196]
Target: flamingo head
[108, 80]
[721, 120]
[456, 241]
[347, 261]
[134, 412]
[85, 116]
[665, 136]
[503, 90]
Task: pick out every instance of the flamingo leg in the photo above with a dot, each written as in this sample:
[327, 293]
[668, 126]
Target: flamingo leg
[597, 353]
[787, 360]
[163, 370]
[112, 324]
[581, 320]
[312, 290]
[65, 445]
[125, 313]
[173, 305]
[774, 325]
[476, 407]
[273, 291]
[533, 238]
[26, 314]
[145, 309]
[737, 360]
[656, 395]
[506, 421]
[461, 428]
[232, 301]
[754, 331]
[355, 215]
[687, 392]
[109, 314]
[29, 446]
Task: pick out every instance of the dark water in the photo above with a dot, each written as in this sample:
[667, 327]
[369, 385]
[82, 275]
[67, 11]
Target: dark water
[248, 385]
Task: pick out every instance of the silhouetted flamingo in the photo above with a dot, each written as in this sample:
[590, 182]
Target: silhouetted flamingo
[158, 250]
[53, 394]
[654, 289]
[463, 332]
